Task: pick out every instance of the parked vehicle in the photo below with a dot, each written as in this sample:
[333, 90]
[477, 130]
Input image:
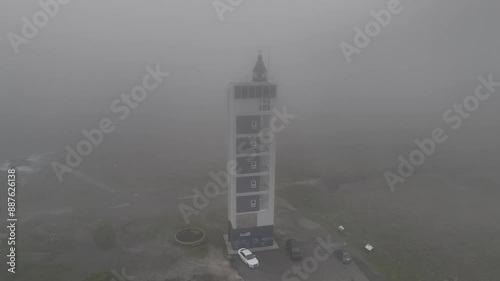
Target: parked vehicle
[293, 249]
[248, 258]
[343, 256]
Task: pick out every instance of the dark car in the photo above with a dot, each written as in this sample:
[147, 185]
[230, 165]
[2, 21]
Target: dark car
[343, 256]
[293, 249]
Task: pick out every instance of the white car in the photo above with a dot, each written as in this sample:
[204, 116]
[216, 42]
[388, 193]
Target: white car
[248, 258]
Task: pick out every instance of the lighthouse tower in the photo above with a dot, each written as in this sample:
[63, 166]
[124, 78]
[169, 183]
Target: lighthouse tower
[252, 149]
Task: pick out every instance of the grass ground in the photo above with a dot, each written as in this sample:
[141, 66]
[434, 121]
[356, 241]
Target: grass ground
[413, 239]
[99, 276]
[42, 270]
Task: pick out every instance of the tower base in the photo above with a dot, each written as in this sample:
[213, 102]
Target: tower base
[230, 250]
[250, 238]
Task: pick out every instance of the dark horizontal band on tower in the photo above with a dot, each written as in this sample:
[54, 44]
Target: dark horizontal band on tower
[255, 91]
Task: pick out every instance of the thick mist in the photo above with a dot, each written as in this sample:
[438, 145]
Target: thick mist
[354, 116]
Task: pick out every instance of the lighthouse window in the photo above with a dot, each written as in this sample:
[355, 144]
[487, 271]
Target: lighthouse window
[253, 203]
[265, 105]
[244, 92]
[266, 92]
[252, 91]
[259, 91]
[253, 143]
[254, 125]
[253, 184]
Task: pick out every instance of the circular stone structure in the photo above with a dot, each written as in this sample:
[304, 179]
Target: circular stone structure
[189, 236]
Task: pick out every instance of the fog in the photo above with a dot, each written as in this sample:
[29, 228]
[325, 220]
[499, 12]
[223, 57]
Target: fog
[396, 90]
[91, 51]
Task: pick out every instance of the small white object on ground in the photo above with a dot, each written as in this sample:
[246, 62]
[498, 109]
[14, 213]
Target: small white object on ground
[341, 228]
[120, 206]
[369, 247]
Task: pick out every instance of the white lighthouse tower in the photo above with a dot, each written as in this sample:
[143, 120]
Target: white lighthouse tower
[251, 188]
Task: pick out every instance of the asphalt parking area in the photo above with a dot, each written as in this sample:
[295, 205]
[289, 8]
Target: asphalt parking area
[276, 265]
